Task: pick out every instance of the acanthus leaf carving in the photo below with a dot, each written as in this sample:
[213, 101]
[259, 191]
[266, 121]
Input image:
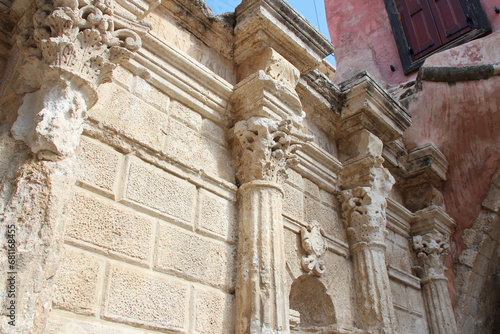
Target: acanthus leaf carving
[314, 245]
[431, 251]
[265, 148]
[69, 48]
[363, 212]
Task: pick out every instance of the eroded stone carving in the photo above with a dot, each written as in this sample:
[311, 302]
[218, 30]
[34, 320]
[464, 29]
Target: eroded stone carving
[431, 250]
[314, 244]
[265, 148]
[76, 47]
[364, 216]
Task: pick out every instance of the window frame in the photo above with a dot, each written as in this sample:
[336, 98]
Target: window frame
[479, 27]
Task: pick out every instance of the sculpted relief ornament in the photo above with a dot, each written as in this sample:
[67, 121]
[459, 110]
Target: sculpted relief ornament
[69, 48]
[364, 216]
[265, 149]
[314, 244]
[431, 250]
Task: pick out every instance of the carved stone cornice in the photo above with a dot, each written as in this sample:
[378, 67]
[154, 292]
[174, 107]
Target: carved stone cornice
[265, 148]
[275, 24]
[431, 251]
[315, 246]
[363, 212]
[68, 48]
[369, 106]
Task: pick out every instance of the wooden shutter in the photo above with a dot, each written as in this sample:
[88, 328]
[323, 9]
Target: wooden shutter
[450, 19]
[419, 26]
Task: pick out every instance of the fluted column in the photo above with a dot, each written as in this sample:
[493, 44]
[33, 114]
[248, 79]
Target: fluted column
[364, 214]
[67, 49]
[431, 251]
[264, 149]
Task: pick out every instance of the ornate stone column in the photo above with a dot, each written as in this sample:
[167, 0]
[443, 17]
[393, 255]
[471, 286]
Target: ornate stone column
[267, 115]
[370, 119]
[67, 49]
[363, 209]
[264, 149]
[431, 231]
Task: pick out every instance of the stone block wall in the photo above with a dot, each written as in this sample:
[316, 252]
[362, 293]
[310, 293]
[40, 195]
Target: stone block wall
[147, 244]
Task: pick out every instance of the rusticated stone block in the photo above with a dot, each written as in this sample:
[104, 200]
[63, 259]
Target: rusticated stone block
[214, 312]
[294, 178]
[328, 199]
[128, 113]
[293, 253]
[123, 76]
[186, 116]
[187, 254]
[415, 300]
[218, 215]
[139, 297]
[311, 188]
[410, 323]
[150, 94]
[293, 203]
[110, 227]
[78, 282]
[190, 147]
[399, 296]
[155, 188]
[328, 218]
[213, 132]
[58, 324]
[98, 165]
[339, 279]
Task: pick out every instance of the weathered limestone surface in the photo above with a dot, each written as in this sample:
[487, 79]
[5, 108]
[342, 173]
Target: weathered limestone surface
[169, 171]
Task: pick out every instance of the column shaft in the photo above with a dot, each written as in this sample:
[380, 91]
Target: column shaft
[372, 287]
[260, 301]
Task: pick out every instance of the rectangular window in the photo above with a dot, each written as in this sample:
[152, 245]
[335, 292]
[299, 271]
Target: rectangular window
[424, 27]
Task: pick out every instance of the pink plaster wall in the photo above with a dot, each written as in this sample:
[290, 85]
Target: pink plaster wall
[462, 119]
[363, 40]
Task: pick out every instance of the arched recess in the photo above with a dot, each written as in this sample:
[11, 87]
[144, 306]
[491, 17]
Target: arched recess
[308, 296]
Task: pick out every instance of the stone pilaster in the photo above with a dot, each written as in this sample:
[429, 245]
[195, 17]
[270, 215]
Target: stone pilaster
[370, 119]
[431, 230]
[268, 115]
[264, 149]
[67, 48]
[363, 209]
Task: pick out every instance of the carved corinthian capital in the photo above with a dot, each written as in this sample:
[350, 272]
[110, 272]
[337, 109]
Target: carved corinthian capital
[363, 213]
[265, 148]
[431, 250]
[69, 48]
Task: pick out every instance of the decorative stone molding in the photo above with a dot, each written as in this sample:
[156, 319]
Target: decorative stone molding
[69, 49]
[314, 244]
[431, 250]
[265, 148]
[274, 23]
[369, 106]
[364, 217]
[140, 8]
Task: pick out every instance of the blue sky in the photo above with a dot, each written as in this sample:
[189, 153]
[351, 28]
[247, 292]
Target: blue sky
[307, 8]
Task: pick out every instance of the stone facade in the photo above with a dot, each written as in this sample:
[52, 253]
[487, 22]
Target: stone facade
[165, 170]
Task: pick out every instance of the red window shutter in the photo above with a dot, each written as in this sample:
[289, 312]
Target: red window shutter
[420, 29]
[450, 19]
